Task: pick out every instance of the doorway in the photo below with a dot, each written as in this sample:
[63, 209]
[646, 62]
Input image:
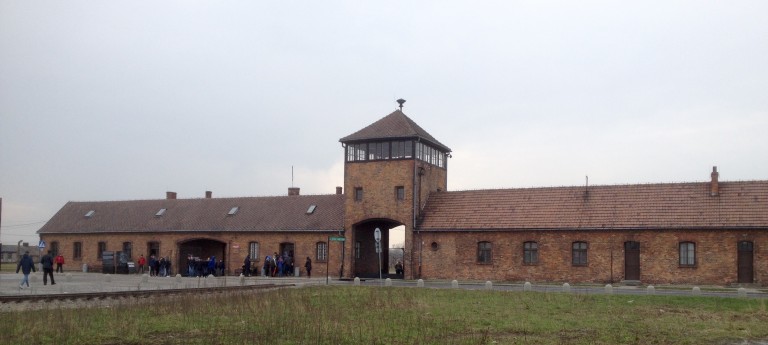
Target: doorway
[631, 260]
[745, 262]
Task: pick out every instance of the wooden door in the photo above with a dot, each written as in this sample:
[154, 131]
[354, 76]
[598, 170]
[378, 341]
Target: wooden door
[745, 262]
[632, 260]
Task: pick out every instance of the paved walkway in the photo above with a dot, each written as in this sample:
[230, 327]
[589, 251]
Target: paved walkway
[79, 282]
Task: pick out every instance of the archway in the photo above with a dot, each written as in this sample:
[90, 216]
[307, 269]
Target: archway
[200, 249]
[365, 258]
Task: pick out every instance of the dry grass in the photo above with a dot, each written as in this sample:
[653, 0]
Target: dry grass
[366, 315]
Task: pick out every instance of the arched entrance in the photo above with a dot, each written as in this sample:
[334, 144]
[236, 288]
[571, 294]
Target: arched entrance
[200, 249]
[365, 258]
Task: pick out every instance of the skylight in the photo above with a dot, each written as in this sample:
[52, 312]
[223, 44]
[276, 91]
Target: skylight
[160, 213]
[90, 214]
[233, 210]
[311, 209]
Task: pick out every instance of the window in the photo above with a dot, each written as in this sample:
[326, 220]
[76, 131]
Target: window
[311, 209]
[687, 254]
[77, 251]
[89, 214]
[253, 250]
[54, 248]
[153, 248]
[322, 251]
[357, 152]
[402, 149]
[357, 250]
[160, 213]
[400, 193]
[102, 248]
[233, 211]
[484, 252]
[579, 257]
[128, 249]
[530, 253]
[358, 193]
[378, 151]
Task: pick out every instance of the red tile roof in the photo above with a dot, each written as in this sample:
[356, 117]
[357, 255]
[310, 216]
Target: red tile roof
[649, 206]
[394, 126]
[279, 213]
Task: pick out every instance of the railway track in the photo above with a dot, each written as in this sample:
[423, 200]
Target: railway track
[7, 302]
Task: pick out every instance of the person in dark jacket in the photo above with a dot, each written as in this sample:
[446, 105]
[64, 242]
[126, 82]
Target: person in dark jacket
[221, 267]
[26, 265]
[308, 266]
[47, 262]
[247, 266]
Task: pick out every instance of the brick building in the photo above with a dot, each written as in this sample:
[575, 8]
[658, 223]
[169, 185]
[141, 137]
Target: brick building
[395, 174]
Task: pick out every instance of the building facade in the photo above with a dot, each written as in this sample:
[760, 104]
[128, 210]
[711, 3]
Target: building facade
[395, 175]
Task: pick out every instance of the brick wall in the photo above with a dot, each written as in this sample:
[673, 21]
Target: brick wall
[238, 243]
[716, 256]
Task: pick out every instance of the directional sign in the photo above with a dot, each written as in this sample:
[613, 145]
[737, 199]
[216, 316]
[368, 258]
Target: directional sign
[337, 239]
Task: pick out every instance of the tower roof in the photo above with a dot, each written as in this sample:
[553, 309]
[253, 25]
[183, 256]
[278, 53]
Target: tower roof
[394, 126]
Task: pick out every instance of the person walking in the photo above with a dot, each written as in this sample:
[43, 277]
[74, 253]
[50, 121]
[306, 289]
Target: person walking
[47, 262]
[59, 263]
[26, 265]
[308, 266]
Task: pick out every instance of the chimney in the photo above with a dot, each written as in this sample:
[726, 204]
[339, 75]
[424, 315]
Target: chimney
[714, 188]
[293, 191]
[208, 194]
[338, 190]
[170, 195]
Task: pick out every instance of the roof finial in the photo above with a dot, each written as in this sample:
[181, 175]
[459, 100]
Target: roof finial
[401, 101]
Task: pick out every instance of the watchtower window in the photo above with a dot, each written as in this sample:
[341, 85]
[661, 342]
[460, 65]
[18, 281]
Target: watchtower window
[402, 149]
[378, 151]
[358, 193]
[399, 193]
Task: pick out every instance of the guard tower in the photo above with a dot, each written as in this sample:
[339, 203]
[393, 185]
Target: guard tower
[390, 167]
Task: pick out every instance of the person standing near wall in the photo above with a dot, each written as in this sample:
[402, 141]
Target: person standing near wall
[308, 266]
[142, 262]
[247, 266]
[59, 263]
[47, 262]
[26, 265]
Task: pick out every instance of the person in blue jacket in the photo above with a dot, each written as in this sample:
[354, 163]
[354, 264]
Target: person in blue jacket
[26, 265]
[212, 266]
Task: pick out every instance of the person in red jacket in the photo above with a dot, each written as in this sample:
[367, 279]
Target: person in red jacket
[142, 262]
[59, 263]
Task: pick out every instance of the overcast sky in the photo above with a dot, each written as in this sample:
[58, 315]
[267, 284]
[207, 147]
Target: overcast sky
[111, 100]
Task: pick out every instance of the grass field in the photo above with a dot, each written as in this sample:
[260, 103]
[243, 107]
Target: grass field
[365, 315]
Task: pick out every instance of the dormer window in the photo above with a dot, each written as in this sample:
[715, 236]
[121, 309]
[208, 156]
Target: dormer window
[90, 214]
[311, 209]
[233, 211]
[160, 213]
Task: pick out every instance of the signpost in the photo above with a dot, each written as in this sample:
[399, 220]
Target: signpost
[328, 259]
[377, 237]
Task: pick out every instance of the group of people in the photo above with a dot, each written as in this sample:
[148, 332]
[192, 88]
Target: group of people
[275, 266]
[197, 267]
[157, 267]
[27, 265]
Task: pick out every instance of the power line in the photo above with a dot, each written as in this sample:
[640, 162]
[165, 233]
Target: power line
[21, 225]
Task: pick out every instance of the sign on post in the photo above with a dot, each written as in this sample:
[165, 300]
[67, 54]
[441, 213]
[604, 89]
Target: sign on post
[377, 237]
[337, 239]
